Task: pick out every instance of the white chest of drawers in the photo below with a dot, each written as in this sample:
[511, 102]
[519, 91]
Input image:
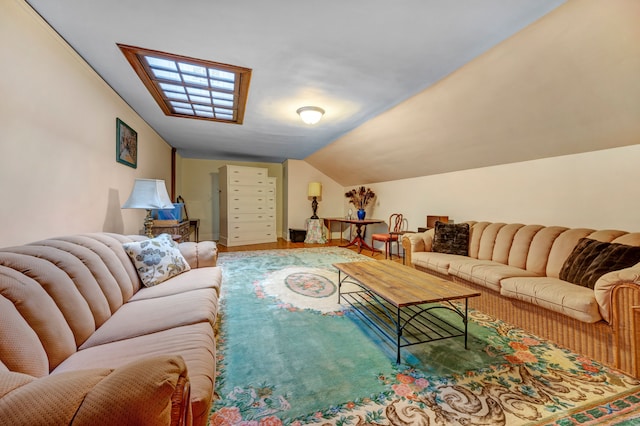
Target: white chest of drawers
[247, 206]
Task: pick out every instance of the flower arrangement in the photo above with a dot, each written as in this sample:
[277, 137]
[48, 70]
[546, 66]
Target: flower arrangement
[360, 197]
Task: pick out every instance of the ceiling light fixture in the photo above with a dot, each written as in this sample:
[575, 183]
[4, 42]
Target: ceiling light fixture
[310, 114]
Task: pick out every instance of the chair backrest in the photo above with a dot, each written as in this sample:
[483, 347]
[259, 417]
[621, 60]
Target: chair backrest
[395, 222]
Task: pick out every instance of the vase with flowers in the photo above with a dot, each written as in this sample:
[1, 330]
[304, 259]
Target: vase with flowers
[360, 198]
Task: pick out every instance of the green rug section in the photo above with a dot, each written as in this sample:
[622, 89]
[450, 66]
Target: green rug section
[269, 348]
[289, 353]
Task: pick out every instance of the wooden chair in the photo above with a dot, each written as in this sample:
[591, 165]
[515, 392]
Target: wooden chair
[395, 227]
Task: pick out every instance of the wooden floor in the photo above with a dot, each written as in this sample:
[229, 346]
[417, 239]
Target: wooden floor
[283, 244]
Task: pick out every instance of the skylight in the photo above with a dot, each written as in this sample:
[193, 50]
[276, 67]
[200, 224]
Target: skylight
[192, 88]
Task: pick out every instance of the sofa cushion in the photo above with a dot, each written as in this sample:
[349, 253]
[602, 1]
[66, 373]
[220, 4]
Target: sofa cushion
[140, 317]
[554, 294]
[195, 279]
[156, 259]
[52, 339]
[96, 272]
[590, 259]
[486, 273]
[451, 238]
[47, 400]
[137, 393]
[194, 343]
[437, 262]
[140, 392]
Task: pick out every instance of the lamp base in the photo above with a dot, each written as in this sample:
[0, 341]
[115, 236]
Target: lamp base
[148, 224]
[314, 206]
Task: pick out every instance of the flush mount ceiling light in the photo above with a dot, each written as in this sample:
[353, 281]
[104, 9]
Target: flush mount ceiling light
[310, 114]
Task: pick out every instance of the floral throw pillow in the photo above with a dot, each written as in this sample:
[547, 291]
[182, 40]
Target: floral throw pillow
[156, 259]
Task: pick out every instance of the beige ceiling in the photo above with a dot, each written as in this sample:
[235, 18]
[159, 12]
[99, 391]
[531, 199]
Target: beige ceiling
[569, 83]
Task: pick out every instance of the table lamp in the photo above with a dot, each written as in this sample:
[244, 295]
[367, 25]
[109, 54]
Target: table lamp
[148, 194]
[315, 191]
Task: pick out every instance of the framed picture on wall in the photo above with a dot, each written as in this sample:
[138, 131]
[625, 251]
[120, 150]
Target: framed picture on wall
[126, 144]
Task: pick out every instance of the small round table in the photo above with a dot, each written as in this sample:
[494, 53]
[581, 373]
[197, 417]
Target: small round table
[315, 232]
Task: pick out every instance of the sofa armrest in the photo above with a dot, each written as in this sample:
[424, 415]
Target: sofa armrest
[152, 391]
[416, 242]
[201, 254]
[607, 288]
[618, 296]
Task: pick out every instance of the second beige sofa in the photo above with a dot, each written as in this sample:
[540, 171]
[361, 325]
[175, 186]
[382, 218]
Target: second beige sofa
[517, 268]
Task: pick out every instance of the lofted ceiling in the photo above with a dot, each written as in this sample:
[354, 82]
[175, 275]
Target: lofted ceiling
[356, 59]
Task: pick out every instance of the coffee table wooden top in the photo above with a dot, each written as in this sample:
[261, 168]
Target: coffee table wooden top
[402, 285]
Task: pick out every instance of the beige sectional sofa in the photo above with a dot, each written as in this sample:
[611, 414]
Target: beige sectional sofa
[82, 341]
[518, 268]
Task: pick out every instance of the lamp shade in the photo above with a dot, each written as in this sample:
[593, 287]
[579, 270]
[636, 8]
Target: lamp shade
[148, 194]
[315, 189]
[310, 114]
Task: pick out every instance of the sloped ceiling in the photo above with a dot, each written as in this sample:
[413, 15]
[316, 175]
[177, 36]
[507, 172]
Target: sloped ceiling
[357, 59]
[566, 84]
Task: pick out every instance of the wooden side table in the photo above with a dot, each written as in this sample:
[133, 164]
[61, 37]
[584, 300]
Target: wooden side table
[171, 227]
[341, 220]
[358, 240]
[195, 224]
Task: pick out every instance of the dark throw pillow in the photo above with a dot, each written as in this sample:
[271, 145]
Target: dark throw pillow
[591, 259]
[451, 238]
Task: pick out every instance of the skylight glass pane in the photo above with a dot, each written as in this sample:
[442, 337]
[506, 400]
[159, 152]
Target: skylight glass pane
[220, 102]
[178, 96]
[191, 79]
[204, 114]
[200, 99]
[184, 111]
[192, 87]
[222, 85]
[221, 75]
[221, 95]
[180, 104]
[198, 92]
[161, 63]
[172, 87]
[203, 108]
[192, 69]
[166, 75]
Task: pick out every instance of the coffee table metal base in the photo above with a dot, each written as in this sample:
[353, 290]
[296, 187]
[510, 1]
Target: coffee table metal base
[406, 325]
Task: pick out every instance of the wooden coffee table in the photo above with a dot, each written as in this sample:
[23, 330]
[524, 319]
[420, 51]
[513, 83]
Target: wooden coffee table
[401, 302]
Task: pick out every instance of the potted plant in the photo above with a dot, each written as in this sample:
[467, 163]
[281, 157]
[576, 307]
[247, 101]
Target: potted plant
[360, 198]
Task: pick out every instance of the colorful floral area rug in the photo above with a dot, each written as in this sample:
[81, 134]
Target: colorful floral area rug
[289, 353]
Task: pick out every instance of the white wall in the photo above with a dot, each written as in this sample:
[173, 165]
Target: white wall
[58, 171]
[298, 206]
[599, 190]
